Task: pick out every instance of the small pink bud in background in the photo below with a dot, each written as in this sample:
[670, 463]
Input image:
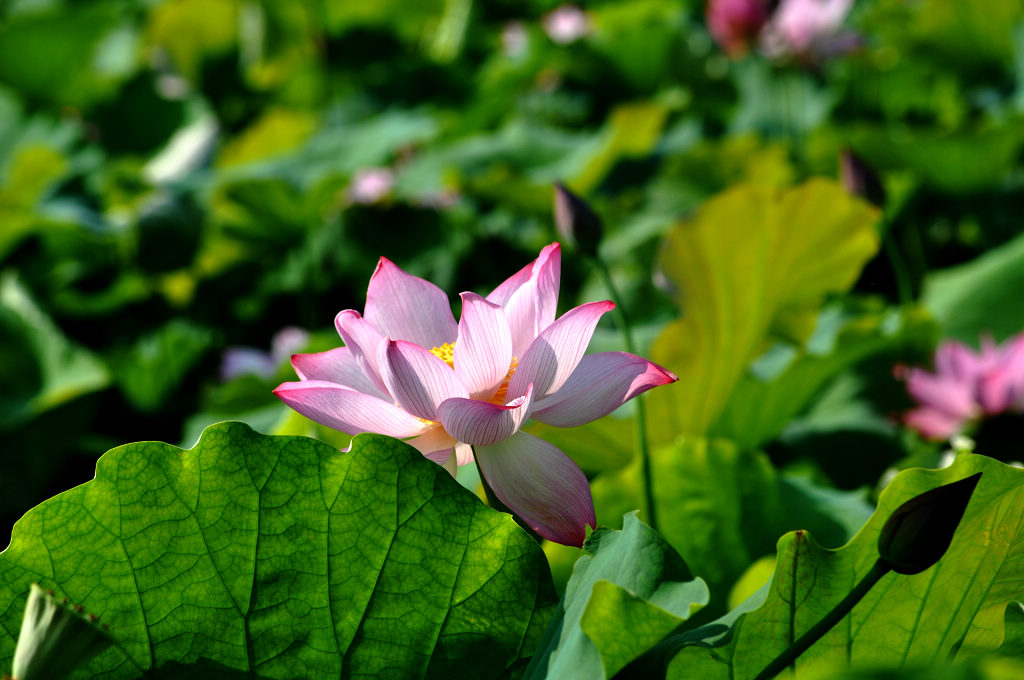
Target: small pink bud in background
[567, 24]
[577, 224]
[735, 24]
[371, 185]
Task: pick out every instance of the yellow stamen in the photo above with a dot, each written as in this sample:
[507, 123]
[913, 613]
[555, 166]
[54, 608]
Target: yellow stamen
[445, 353]
[502, 394]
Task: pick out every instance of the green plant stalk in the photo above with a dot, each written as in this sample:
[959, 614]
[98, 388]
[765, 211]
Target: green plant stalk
[904, 287]
[827, 622]
[640, 422]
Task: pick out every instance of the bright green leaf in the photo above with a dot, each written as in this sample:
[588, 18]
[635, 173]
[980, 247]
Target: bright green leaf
[958, 604]
[719, 506]
[749, 257]
[279, 557]
[631, 575]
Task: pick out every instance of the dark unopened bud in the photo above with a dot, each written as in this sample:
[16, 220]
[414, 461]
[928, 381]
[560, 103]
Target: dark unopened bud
[578, 226]
[55, 638]
[859, 179]
[919, 532]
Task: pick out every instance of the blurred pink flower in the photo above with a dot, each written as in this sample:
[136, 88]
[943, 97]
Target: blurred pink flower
[966, 386]
[253, 361]
[450, 389]
[808, 29]
[370, 185]
[567, 24]
[735, 24]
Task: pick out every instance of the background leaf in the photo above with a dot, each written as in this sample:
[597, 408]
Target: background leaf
[751, 256]
[282, 558]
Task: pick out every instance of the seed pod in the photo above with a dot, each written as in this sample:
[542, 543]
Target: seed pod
[919, 532]
[55, 638]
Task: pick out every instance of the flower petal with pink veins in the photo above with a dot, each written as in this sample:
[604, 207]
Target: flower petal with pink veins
[954, 397]
[346, 410]
[406, 307]
[556, 352]
[417, 379]
[464, 454]
[540, 484]
[600, 384]
[480, 422]
[483, 351]
[530, 308]
[337, 365]
[933, 424]
[364, 341]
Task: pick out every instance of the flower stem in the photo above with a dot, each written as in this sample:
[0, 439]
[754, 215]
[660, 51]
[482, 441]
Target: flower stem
[801, 645]
[640, 421]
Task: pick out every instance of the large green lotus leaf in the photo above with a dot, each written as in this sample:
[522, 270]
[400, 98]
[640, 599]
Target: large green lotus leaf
[751, 261]
[956, 606]
[628, 593]
[981, 296]
[279, 557]
[765, 400]
[720, 506]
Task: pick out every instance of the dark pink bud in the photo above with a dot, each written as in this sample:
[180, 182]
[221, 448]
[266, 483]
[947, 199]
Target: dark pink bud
[735, 24]
[578, 226]
[860, 179]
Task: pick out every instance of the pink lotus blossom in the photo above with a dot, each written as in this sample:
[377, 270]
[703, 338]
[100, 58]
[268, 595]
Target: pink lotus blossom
[371, 185]
[809, 29]
[567, 24]
[450, 389]
[735, 24]
[966, 386]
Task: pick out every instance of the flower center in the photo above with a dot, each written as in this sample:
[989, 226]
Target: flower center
[446, 353]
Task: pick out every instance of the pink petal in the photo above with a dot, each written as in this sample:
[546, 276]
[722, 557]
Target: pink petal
[554, 355]
[417, 379]
[363, 340]
[995, 390]
[530, 307]
[540, 484]
[406, 307]
[483, 351]
[950, 396]
[438, 446]
[464, 454]
[600, 384]
[481, 423]
[933, 424]
[346, 410]
[339, 366]
[956, 360]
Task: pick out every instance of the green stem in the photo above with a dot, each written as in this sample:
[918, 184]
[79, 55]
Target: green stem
[899, 267]
[640, 422]
[790, 654]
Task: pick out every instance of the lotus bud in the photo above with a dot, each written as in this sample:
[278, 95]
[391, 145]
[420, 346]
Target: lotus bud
[56, 638]
[919, 532]
[859, 179]
[578, 226]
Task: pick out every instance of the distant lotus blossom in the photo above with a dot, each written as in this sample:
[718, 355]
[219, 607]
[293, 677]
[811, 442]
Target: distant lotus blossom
[736, 24]
[966, 386]
[239, 361]
[809, 29]
[371, 185]
[453, 390]
[567, 24]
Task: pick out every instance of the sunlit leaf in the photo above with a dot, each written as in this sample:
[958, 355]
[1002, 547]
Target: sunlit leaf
[629, 592]
[279, 557]
[749, 258]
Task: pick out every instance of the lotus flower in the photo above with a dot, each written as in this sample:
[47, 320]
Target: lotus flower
[809, 29]
[735, 24]
[966, 386]
[450, 389]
